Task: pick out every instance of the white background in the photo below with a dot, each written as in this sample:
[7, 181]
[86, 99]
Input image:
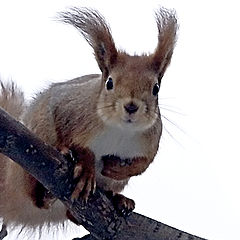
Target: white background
[194, 181]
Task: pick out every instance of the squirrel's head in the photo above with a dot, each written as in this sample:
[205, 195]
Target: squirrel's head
[130, 84]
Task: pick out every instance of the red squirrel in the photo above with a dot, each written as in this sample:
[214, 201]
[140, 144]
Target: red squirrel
[111, 122]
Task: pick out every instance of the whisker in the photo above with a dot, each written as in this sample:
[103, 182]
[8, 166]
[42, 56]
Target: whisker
[171, 107]
[108, 111]
[107, 106]
[106, 119]
[174, 124]
[172, 137]
[173, 111]
[166, 98]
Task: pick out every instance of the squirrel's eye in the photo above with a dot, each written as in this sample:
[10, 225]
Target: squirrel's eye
[109, 84]
[155, 89]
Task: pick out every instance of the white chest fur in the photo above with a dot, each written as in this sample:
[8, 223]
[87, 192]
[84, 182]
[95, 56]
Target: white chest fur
[116, 141]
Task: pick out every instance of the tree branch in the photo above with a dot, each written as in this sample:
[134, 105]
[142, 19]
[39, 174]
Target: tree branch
[55, 172]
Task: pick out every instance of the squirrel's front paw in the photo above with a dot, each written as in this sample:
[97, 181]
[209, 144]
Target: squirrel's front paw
[86, 182]
[116, 168]
[84, 173]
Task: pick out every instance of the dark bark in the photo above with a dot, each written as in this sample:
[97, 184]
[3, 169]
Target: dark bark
[55, 172]
[87, 237]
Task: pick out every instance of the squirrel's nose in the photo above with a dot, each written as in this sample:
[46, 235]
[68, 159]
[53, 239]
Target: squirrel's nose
[131, 108]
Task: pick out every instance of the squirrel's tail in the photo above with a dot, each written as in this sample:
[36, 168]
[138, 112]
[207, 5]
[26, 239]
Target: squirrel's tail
[12, 99]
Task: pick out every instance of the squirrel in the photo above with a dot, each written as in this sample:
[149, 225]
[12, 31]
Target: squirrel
[110, 122]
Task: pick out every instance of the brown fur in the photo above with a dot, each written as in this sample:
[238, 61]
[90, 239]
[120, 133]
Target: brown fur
[110, 145]
[120, 169]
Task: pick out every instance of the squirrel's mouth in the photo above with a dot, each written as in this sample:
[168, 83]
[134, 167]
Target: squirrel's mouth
[129, 119]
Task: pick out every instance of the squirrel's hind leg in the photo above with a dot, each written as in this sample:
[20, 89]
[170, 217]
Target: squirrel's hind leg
[41, 197]
[123, 205]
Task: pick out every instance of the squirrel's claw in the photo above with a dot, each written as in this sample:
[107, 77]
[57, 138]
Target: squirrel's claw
[123, 205]
[84, 188]
[86, 183]
[84, 174]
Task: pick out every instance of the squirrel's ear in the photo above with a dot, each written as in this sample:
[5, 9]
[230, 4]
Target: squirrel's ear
[167, 34]
[96, 31]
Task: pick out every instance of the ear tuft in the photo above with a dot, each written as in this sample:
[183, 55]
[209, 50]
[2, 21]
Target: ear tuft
[167, 35]
[96, 31]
